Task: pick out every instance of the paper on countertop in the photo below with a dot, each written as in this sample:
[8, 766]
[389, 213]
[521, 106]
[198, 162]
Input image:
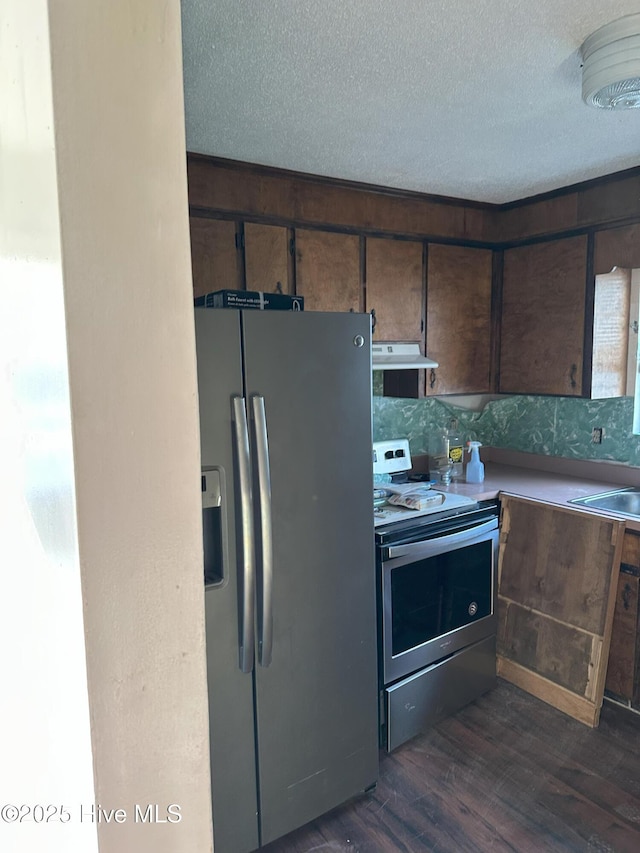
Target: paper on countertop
[413, 495]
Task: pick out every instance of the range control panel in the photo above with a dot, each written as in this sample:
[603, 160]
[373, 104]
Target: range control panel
[391, 457]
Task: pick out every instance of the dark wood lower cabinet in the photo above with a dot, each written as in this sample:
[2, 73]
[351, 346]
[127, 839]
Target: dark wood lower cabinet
[623, 671]
[558, 570]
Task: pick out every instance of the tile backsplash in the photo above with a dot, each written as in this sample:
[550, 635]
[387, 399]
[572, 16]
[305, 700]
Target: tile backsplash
[552, 426]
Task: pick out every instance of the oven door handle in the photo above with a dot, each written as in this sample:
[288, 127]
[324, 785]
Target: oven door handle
[435, 544]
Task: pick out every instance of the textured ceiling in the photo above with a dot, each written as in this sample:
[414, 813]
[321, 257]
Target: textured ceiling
[475, 99]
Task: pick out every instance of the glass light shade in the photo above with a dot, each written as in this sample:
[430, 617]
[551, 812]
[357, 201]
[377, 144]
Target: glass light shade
[611, 65]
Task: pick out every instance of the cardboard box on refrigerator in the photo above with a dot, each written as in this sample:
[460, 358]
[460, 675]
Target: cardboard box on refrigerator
[250, 299]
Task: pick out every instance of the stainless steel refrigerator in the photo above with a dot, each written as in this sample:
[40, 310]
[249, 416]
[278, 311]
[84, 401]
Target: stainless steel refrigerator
[285, 419]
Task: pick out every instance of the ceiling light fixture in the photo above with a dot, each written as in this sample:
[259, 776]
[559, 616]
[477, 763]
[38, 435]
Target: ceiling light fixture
[611, 65]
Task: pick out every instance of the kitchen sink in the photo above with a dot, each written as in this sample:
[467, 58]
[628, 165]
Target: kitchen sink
[623, 501]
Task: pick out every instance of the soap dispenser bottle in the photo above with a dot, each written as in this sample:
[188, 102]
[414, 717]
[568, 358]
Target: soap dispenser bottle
[475, 468]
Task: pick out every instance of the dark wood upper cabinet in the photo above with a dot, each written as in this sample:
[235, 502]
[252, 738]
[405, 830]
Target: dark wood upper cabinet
[328, 270]
[459, 327]
[215, 260]
[543, 318]
[499, 312]
[395, 288]
[623, 669]
[266, 258]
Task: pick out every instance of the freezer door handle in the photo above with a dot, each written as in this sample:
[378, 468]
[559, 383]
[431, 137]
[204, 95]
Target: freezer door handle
[248, 572]
[265, 582]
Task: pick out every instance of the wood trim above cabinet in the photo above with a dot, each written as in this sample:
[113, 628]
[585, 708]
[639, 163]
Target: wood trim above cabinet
[600, 202]
[276, 196]
[547, 216]
[615, 198]
[231, 189]
[617, 247]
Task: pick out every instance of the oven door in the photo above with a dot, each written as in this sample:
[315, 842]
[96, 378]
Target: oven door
[439, 595]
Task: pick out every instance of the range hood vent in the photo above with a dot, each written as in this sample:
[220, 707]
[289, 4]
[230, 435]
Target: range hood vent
[394, 356]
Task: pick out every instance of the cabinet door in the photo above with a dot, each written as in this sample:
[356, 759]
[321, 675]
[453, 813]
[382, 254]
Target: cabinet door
[623, 671]
[328, 270]
[557, 577]
[394, 287]
[214, 255]
[266, 258]
[459, 319]
[543, 318]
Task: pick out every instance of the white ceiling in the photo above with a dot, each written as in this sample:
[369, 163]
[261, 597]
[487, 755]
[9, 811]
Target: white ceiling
[476, 99]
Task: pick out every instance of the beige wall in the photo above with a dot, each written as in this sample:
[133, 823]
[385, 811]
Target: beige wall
[116, 249]
[45, 740]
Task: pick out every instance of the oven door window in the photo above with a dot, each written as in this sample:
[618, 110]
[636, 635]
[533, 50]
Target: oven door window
[433, 596]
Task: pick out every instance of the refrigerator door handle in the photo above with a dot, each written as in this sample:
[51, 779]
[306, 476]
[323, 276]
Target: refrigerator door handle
[265, 587]
[248, 575]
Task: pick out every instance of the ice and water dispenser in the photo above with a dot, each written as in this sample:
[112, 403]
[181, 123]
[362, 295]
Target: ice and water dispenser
[212, 505]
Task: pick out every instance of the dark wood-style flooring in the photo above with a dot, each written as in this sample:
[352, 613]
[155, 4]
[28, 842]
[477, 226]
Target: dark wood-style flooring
[507, 773]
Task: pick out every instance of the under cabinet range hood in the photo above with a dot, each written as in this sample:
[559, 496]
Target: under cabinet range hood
[394, 356]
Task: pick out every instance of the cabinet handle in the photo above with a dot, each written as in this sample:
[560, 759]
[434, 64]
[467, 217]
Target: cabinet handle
[432, 378]
[574, 370]
[374, 320]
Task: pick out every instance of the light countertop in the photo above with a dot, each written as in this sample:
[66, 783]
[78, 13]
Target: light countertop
[548, 479]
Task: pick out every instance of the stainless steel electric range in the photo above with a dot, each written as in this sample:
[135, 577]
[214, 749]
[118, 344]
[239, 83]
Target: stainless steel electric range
[437, 589]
